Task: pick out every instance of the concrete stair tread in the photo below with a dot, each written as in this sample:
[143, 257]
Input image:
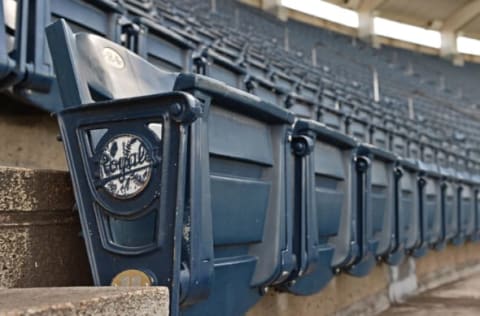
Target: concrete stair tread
[84, 301]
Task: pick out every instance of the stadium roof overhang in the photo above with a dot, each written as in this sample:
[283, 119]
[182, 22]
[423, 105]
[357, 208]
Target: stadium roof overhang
[443, 22]
[458, 16]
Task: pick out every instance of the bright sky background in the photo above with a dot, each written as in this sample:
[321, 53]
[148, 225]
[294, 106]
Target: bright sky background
[383, 27]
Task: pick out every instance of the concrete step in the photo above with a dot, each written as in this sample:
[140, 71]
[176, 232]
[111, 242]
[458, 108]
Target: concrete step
[84, 301]
[40, 242]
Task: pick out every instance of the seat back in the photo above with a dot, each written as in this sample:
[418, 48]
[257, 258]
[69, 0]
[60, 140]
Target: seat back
[161, 46]
[379, 220]
[40, 86]
[102, 70]
[9, 43]
[325, 204]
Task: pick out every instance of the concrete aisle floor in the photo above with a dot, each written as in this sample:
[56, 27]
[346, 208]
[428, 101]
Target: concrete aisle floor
[458, 298]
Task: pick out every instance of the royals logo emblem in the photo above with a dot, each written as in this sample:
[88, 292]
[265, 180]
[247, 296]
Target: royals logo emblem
[125, 166]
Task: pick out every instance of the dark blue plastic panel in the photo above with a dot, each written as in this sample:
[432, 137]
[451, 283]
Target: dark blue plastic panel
[399, 144]
[283, 81]
[407, 212]
[163, 48]
[301, 107]
[250, 195]
[466, 200]
[222, 68]
[431, 213]
[332, 118]
[379, 217]
[467, 211]
[325, 205]
[9, 45]
[450, 210]
[450, 197]
[98, 17]
[329, 99]
[128, 173]
[358, 129]
[380, 137]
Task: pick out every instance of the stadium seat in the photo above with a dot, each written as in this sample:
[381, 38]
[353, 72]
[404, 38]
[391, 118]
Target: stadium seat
[378, 222]
[450, 196]
[333, 118]
[431, 201]
[407, 201]
[264, 89]
[358, 129]
[468, 186]
[162, 47]
[379, 136]
[251, 203]
[301, 106]
[225, 69]
[474, 168]
[237, 201]
[98, 16]
[466, 211]
[9, 43]
[326, 239]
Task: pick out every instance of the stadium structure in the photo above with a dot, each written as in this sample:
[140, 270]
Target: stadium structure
[225, 157]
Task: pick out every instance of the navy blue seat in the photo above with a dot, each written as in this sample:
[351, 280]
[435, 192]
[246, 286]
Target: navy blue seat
[331, 117]
[466, 206]
[251, 203]
[225, 69]
[378, 223]
[325, 236]
[379, 136]
[474, 169]
[450, 197]
[161, 46]
[407, 200]
[237, 223]
[99, 17]
[9, 43]
[301, 106]
[358, 129]
[431, 202]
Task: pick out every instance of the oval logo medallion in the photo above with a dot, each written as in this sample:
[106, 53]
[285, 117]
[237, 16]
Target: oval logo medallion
[125, 166]
[132, 278]
[113, 58]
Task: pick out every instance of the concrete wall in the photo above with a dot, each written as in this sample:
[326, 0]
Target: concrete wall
[28, 137]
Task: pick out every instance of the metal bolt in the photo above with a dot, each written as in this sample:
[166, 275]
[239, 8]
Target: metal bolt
[176, 109]
[299, 147]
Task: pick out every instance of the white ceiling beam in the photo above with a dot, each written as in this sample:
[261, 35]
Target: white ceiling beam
[462, 16]
[369, 5]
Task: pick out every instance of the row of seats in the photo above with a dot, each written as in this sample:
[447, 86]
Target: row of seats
[177, 40]
[360, 59]
[248, 190]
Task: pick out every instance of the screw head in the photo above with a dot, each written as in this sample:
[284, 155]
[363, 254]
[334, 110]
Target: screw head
[176, 109]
